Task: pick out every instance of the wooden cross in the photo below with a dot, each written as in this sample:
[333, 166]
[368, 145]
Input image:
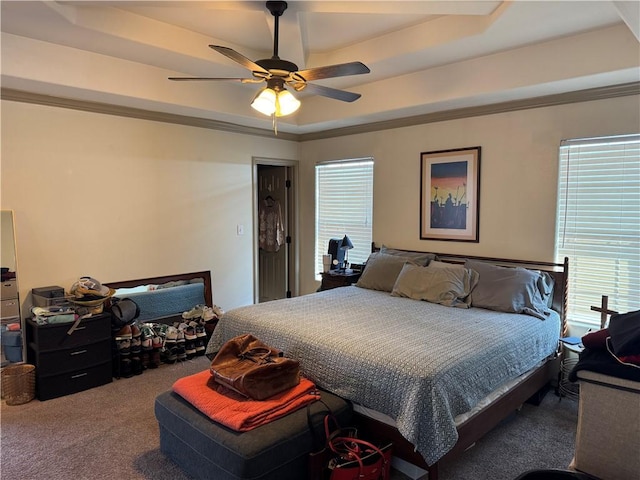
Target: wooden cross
[604, 311]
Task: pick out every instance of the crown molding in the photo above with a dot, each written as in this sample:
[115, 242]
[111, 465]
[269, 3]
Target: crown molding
[139, 113]
[599, 93]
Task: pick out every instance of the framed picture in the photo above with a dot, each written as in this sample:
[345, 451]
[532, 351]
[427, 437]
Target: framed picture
[450, 194]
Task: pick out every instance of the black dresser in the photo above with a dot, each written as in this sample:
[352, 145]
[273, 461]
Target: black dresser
[69, 363]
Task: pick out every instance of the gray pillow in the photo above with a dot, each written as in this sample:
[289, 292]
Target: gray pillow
[419, 258]
[381, 271]
[545, 285]
[446, 286]
[451, 266]
[507, 289]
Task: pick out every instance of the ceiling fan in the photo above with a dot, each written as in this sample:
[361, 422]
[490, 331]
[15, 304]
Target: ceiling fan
[275, 99]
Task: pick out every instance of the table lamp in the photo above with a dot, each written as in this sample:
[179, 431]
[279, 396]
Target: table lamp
[346, 245]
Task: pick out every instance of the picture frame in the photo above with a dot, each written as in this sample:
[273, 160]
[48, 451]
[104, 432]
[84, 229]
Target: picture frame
[450, 195]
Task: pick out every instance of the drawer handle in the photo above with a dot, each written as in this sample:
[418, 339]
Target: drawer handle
[80, 375]
[79, 352]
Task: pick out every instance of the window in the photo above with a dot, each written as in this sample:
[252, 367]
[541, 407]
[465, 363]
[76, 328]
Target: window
[598, 224]
[344, 205]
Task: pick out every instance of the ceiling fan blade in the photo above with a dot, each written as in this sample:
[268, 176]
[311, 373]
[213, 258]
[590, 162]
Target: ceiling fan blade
[241, 59]
[332, 92]
[242, 80]
[330, 71]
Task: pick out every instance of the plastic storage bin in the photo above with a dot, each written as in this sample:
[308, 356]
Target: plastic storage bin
[12, 345]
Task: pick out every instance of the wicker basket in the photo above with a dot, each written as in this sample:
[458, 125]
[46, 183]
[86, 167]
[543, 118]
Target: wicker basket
[18, 383]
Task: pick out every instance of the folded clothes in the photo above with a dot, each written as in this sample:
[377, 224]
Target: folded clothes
[237, 412]
[54, 319]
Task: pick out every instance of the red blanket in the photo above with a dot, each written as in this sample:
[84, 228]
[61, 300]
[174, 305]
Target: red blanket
[237, 412]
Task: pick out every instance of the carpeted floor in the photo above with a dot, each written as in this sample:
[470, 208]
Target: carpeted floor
[110, 432]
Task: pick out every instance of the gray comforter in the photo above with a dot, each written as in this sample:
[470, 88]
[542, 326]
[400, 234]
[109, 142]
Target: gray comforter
[420, 363]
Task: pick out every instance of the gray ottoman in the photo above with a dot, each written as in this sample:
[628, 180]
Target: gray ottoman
[207, 450]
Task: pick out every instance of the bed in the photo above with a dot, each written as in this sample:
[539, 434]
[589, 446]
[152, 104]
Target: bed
[419, 372]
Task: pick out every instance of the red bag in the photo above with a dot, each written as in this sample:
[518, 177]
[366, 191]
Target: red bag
[359, 460]
[346, 457]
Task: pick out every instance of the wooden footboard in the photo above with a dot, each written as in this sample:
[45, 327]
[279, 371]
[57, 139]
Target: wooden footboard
[475, 427]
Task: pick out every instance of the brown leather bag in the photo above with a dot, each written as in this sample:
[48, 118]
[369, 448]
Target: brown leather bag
[254, 369]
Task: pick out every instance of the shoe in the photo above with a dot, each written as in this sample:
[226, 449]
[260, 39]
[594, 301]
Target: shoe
[155, 359]
[147, 330]
[218, 311]
[180, 339]
[189, 331]
[125, 368]
[145, 357]
[181, 353]
[147, 344]
[169, 355]
[190, 349]
[124, 346]
[195, 312]
[136, 345]
[200, 332]
[136, 365]
[200, 347]
[171, 336]
[156, 343]
[207, 314]
[124, 332]
[135, 331]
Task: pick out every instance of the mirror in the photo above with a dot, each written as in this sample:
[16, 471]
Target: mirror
[9, 303]
[7, 241]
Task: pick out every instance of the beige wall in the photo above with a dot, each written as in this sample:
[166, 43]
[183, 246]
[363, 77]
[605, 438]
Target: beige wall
[119, 198]
[518, 176]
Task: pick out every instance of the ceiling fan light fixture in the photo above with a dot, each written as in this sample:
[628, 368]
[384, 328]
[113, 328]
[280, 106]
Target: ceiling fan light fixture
[265, 101]
[275, 99]
[286, 103]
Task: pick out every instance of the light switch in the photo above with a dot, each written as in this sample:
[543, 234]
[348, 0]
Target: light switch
[240, 229]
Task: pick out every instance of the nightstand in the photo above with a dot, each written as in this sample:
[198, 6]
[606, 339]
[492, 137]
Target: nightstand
[335, 279]
[570, 354]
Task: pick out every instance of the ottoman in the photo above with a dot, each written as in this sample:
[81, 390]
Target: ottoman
[208, 450]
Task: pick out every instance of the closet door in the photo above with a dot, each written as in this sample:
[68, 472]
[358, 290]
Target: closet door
[273, 261]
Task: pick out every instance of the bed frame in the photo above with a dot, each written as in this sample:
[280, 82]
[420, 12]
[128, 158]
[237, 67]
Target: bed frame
[532, 389]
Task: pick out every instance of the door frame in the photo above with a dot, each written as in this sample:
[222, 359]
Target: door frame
[293, 225]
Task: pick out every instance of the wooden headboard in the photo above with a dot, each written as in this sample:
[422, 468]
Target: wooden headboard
[558, 271]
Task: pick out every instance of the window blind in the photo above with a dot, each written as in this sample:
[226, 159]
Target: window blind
[598, 224]
[344, 205]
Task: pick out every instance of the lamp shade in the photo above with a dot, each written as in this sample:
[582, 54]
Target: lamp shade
[275, 100]
[286, 103]
[265, 101]
[346, 244]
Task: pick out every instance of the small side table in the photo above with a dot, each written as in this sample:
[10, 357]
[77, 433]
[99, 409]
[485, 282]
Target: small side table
[335, 279]
[567, 388]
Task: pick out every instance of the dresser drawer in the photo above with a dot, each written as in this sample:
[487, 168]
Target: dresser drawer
[55, 337]
[54, 362]
[53, 386]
